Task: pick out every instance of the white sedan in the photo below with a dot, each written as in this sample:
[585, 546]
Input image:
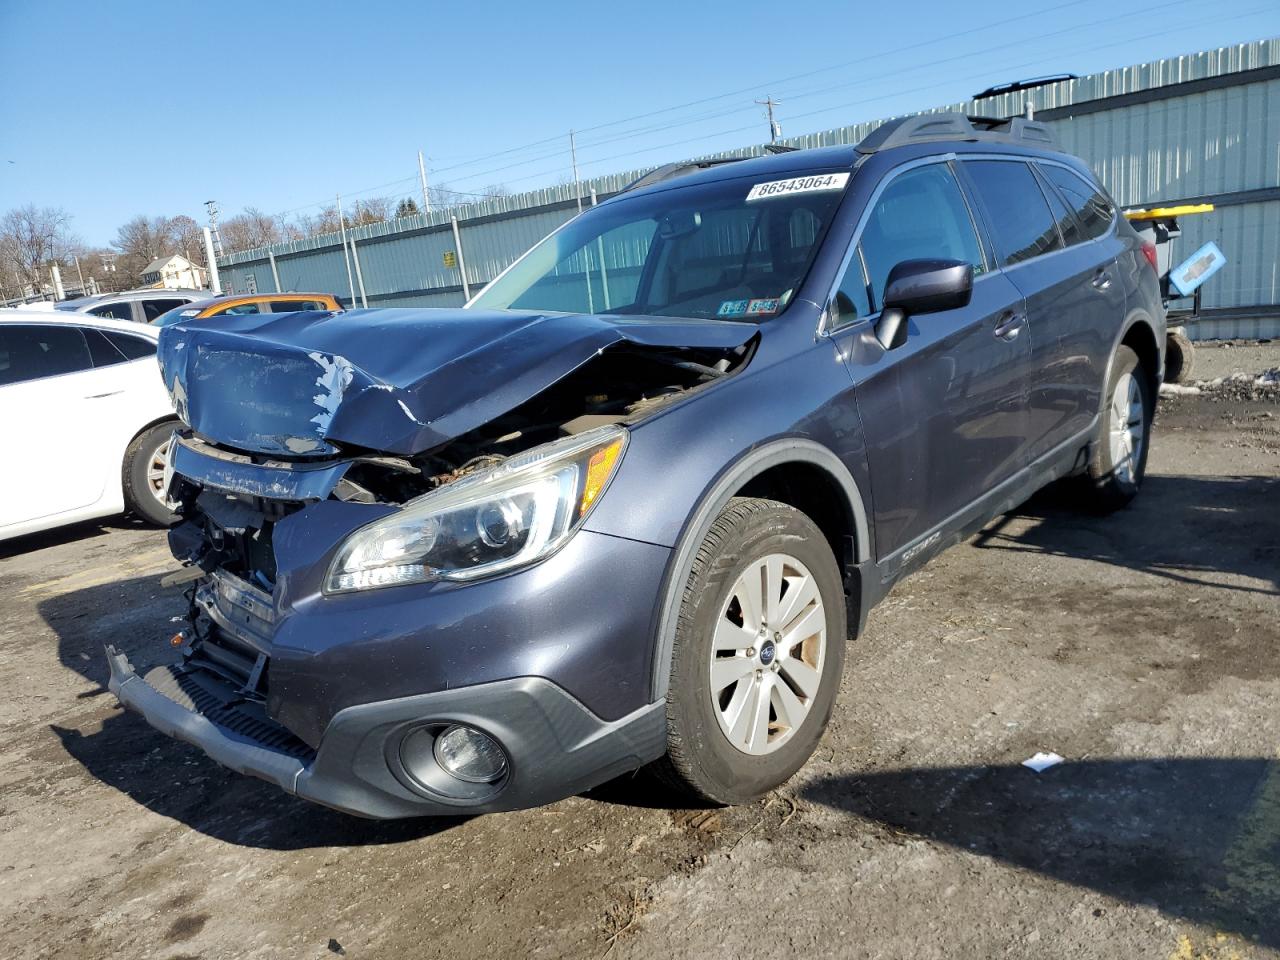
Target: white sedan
[85, 421]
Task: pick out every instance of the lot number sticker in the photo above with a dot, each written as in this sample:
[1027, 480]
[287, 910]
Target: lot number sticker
[780, 188]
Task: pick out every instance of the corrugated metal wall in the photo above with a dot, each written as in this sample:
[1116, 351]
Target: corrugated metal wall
[1210, 142]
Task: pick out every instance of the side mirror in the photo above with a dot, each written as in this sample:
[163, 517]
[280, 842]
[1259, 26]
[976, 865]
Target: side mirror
[921, 286]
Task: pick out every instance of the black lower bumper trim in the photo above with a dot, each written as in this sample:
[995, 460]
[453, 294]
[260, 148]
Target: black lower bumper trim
[557, 747]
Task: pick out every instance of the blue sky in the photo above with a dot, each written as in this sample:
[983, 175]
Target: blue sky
[114, 109]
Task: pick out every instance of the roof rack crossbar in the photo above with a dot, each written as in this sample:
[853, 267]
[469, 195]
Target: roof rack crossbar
[956, 126]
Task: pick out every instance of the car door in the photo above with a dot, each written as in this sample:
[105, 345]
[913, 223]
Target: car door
[54, 408]
[944, 414]
[1069, 285]
[1086, 333]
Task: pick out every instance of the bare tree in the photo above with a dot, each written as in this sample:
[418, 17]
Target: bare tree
[30, 237]
[187, 238]
[248, 230]
[140, 241]
[408, 207]
[372, 210]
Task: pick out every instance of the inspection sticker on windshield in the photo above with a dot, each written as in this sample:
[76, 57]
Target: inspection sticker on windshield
[762, 306]
[779, 188]
[732, 308]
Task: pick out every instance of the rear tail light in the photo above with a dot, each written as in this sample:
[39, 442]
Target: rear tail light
[1149, 251]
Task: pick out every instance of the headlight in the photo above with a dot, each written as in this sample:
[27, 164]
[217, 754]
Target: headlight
[487, 523]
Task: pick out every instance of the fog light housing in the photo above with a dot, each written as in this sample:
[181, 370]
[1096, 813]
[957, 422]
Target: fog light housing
[469, 755]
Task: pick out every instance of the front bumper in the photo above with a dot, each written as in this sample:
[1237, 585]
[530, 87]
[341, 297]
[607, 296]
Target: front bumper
[556, 746]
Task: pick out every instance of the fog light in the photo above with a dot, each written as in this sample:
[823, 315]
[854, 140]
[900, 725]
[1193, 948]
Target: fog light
[470, 755]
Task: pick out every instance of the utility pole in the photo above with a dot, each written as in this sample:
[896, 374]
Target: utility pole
[212, 207]
[422, 174]
[80, 274]
[573, 155]
[215, 284]
[346, 254]
[775, 128]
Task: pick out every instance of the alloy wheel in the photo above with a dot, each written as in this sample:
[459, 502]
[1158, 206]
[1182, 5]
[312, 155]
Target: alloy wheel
[1127, 417]
[155, 474]
[767, 654]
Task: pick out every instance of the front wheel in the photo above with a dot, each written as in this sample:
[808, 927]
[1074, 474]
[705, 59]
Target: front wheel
[758, 654]
[143, 475]
[1119, 460]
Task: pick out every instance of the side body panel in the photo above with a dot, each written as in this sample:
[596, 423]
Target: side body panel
[76, 431]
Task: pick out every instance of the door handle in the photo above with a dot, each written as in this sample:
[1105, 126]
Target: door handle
[99, 396]
[1101, 280]
[1010, 326]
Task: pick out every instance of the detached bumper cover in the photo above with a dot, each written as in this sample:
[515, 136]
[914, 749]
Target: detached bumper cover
[556, 745]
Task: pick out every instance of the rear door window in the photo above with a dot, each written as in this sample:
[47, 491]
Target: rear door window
[134, 348]
[1069, 227]
[101, 349]
[288, 306]
[34, 351]
[239, 310]
[153, 308]
[920, 215]
[1092, 208]
[118, 311]
[1016, 209]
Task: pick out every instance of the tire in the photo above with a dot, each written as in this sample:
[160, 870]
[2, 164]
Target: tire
[1179, 357]
[139, 496]
[702, 761]
[1117, 465]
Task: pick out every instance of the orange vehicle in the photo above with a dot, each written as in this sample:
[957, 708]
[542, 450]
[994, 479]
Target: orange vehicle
[240, 304]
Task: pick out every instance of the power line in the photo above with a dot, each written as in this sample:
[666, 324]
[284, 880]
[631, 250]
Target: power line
[867, 100]
[816, 91]
[525, 160]
[1037, 14]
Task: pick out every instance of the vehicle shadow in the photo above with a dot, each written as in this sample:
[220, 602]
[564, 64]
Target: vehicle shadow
[172, 778]
[85, 529]
[1182, 528]
[1197, 838]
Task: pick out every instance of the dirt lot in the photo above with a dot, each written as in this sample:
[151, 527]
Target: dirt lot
[1144, 648]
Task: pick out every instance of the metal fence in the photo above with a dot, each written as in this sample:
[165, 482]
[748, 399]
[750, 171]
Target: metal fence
[1199, 127]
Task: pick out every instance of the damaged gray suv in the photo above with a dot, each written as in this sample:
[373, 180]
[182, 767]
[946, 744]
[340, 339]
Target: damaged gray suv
[627, 507]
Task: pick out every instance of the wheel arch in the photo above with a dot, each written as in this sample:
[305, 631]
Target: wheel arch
[793, 470]
[1139, 335]
[154, 422]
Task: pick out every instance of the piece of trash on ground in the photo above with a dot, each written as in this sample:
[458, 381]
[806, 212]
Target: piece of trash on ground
[1042, 762]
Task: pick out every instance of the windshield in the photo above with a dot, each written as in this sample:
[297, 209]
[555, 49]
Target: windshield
[176, 315]
[735, 249]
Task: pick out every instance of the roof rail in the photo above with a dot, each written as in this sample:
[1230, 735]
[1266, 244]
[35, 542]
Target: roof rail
[1030, 84]
[956, 126]
[670, 171]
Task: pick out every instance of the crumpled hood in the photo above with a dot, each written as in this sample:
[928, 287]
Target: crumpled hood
[399, 381]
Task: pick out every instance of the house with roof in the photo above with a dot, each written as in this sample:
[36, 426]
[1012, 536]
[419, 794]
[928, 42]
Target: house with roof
[173, 273]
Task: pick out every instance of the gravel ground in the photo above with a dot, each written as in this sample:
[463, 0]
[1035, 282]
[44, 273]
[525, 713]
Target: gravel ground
[1141, 647]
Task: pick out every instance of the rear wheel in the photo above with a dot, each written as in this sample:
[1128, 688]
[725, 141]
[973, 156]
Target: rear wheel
[1119, 459]
[143, 475]
[1179, 357]
[758, 654]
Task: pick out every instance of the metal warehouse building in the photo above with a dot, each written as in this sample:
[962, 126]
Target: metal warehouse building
[1200, 128]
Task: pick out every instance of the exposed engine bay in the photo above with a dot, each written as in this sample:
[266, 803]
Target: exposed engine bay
[231, 529]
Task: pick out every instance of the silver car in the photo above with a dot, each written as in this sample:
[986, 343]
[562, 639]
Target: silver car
[140, 306]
